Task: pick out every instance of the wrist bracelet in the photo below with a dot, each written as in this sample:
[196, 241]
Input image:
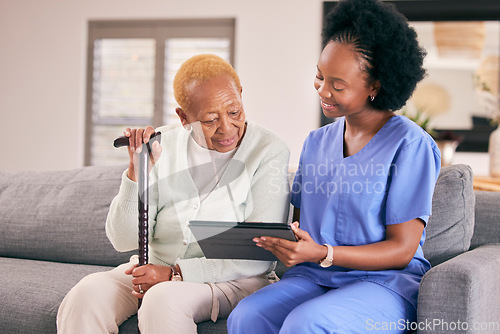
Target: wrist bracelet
[176, 275]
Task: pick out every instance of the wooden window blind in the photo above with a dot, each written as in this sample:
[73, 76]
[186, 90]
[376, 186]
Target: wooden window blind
[131, 66]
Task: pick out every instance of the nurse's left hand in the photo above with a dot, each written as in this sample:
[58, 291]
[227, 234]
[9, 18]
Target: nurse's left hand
[305, 249]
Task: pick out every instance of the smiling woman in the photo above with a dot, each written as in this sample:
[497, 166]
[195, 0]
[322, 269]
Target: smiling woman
[216, 166]
[209, 95]
[215, 113]
[358, 254]
[340, 90]
[460, 36]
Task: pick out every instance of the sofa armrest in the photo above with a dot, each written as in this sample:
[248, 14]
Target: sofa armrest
[462, 292]
[487, 219]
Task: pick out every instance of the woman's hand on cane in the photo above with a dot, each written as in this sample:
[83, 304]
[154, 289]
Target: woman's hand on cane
[138, 137]
[145, 277]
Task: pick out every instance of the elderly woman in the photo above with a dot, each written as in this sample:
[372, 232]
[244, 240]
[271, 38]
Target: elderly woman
[215, 166]
[364, 189]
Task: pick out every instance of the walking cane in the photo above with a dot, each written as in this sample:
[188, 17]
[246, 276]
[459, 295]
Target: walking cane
[143, 183]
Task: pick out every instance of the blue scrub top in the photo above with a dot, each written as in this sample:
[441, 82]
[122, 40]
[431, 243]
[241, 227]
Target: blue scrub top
[348, 201]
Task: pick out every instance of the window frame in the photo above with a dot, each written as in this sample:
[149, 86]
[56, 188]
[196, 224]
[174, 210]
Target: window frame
[160, 30]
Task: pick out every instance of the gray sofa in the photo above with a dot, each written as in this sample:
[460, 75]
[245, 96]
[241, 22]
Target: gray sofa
[52, 234]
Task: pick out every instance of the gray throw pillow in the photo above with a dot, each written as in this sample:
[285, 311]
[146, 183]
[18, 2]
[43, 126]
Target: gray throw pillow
[449, 230]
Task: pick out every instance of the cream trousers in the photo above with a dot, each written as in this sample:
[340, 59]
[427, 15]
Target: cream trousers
[100, 302]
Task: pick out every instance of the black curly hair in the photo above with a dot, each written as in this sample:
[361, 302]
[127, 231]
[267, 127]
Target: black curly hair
[383, 38]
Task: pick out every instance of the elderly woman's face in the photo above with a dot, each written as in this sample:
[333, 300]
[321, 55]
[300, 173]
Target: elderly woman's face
[216, 114]
[341, 82]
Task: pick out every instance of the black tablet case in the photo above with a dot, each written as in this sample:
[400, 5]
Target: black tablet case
[230, 240]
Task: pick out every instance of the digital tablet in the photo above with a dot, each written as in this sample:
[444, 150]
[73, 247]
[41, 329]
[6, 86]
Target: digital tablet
[231, 240]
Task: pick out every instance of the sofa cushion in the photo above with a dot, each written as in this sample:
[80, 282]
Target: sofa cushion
[487, 220]
[33, 290]
[449, 230]
[59, 215]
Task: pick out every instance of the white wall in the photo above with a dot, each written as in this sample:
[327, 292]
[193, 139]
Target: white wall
[43, 64]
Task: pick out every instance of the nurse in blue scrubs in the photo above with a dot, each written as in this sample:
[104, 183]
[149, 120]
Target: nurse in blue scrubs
[362, 192]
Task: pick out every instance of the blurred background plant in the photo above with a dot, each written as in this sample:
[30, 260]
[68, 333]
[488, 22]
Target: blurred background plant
[489, 101]
[447, 141]
[421, 118]
[486, 84]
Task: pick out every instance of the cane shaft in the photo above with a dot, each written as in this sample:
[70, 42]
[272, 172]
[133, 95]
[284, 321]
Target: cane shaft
[143, 184]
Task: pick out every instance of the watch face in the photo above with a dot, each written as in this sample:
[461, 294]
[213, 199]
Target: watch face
[326, 263]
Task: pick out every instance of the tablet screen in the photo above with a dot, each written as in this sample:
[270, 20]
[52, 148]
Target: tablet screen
[231, 240]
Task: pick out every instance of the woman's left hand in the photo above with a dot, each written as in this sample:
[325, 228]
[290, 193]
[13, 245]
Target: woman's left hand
[144, 277]
[305, 249]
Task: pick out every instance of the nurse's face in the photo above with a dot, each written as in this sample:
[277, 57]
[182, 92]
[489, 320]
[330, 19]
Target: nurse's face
[341, 81]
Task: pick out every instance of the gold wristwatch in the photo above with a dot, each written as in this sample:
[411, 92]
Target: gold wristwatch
[328, 260]
[176, 275]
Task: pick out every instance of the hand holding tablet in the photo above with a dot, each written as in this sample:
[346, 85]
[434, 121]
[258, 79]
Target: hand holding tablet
[232, 240]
